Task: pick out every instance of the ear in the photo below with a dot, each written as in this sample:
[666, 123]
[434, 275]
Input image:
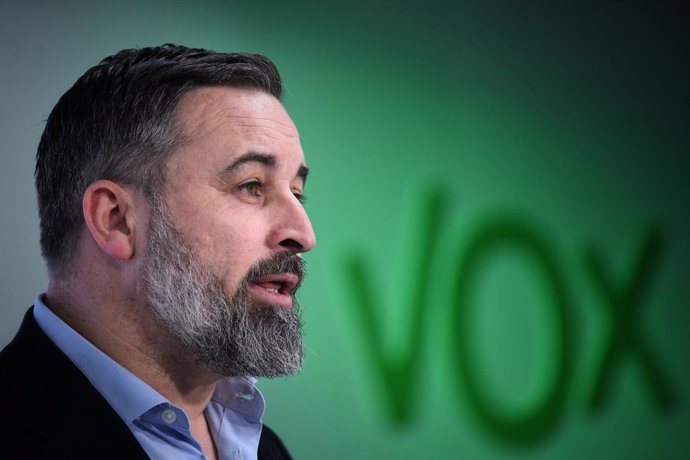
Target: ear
[109, 214]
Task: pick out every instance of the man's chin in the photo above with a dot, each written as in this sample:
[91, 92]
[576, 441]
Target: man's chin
[276, 368]
[270, 346]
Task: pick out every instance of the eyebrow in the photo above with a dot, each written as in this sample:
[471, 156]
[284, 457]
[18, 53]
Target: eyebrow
[250, 157]
[265, 159]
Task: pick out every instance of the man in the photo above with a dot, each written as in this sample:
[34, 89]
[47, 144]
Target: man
[169, 186]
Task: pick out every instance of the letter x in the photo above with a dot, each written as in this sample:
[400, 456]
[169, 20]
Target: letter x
[624, 334]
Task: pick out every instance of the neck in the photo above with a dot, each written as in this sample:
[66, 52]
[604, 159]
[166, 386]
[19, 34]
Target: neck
[129, 334]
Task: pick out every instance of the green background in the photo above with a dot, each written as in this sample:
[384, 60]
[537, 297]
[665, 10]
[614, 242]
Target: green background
[566, 123]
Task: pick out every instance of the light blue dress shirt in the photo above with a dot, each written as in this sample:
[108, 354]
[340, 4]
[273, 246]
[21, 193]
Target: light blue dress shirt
[233, 415]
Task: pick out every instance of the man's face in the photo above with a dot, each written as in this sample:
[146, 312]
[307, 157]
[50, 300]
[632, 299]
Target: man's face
[222, 259]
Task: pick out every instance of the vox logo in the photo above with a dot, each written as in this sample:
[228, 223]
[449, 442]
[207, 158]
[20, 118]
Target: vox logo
[623, 342]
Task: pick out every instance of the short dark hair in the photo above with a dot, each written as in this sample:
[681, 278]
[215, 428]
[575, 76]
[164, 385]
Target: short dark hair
[115, 123]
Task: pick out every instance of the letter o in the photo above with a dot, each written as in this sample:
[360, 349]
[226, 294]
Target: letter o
[535, 423]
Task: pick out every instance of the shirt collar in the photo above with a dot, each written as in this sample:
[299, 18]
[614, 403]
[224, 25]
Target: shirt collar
[129, 396]
[241, 395]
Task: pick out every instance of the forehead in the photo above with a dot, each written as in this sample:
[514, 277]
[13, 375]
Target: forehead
[218, 125]
[245, 113]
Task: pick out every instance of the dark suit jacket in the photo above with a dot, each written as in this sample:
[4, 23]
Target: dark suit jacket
[49, 410]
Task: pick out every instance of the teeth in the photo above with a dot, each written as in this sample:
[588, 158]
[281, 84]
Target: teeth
[273, 290]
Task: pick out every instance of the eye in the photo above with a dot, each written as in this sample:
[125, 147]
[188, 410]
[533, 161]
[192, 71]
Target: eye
[253, 189]
[300, 197]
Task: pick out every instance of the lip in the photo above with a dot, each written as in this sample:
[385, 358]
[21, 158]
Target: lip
[274, 289]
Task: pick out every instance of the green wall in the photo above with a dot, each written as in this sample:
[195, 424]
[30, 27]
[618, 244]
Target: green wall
[500, 193]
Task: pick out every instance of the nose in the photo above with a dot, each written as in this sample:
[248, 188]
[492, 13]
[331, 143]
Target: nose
[292, 229]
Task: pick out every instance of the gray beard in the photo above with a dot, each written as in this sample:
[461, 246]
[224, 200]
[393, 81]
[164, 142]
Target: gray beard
[229, 335]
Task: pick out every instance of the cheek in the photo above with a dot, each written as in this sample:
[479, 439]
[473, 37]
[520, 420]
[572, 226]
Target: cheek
[228, 239]
[230, 249]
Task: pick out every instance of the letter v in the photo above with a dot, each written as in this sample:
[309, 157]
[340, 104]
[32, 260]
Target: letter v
[396, 373]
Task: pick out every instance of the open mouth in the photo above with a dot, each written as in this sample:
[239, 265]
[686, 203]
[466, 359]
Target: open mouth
[274, 289]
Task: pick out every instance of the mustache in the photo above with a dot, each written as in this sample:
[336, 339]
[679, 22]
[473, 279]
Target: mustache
[283, 262]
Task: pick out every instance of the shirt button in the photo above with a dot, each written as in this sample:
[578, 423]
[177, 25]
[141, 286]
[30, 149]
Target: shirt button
[169, 416]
